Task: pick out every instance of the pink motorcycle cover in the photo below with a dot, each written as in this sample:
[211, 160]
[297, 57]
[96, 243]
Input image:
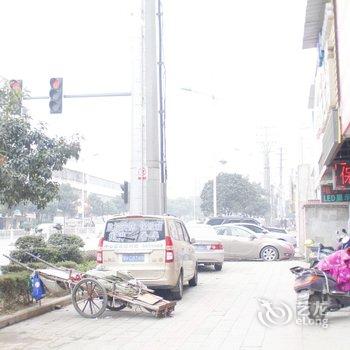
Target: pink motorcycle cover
[337, 265]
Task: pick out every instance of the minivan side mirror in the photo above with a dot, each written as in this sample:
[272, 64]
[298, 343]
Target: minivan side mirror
[252, 237]
[192, 240]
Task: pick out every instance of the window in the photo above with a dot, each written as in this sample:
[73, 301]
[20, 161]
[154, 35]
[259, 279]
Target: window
[240, 232]
[232, 221]
[215, 221]
[172, 230]
[179, 231]
[134, 230]
[224, 231]
[186, 236]
[254, 228]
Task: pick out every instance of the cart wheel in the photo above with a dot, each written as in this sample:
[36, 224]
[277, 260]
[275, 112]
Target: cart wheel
[89, 298]
[115, 305]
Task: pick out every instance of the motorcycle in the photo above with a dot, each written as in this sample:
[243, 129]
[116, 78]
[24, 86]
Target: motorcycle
[317, 293]
[319, 251]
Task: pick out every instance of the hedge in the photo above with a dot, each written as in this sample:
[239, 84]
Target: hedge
[14, 290]
[60, 247]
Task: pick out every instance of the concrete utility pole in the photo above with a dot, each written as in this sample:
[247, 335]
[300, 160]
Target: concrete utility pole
[147, 183]
[280, 190]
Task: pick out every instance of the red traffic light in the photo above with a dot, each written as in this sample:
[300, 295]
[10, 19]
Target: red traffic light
[55, 83]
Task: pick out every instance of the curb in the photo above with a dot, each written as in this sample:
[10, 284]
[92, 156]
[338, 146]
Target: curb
[34, 311]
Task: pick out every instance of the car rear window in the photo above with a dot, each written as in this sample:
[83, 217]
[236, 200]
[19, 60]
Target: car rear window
[134, 230]
[215, 221]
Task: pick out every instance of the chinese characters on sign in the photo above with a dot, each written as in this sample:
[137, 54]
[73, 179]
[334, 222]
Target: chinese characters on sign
[341, 175]
[328, 195]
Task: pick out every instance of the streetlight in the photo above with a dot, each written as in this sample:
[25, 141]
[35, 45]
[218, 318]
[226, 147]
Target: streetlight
[215, 202]
[223, 162]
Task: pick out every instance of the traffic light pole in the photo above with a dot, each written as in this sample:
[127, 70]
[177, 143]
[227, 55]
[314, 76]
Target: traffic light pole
[106, 94]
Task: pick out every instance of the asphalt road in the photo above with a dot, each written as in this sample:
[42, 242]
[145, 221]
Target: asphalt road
[222, 312]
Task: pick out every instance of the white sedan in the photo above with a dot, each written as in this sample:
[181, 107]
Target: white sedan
[208, 246]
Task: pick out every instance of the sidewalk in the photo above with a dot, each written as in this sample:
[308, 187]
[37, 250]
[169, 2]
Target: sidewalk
[34, 310]
[222, 312]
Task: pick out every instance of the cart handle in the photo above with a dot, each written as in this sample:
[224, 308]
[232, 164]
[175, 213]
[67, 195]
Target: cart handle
[18, 263]
[47, 263]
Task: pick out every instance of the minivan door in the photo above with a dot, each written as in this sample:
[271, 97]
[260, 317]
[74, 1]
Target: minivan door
[185, 253]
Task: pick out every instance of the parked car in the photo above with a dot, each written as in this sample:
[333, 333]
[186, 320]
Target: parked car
[272, 234]
[221, 220]
[155, 249]
[241, 243]
[207, 245]
[277, 229]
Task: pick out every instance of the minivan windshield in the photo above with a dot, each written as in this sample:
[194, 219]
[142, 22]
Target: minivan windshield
[134, 230]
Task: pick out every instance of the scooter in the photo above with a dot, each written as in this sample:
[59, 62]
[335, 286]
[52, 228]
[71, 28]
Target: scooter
[317, 293]
[319, 251]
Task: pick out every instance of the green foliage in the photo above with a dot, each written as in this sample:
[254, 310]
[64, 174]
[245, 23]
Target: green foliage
[11, 268]
[30, 242]
[235, 195]
[68, 264]
[50, 254]
[35, 245]
[100, 207]
[30, 156]
[96, 205]
[60, 247]
[68, 246]
[59, 240]
[181, 207]
[67, 200]
[14, 290]
[89, 255]
[86, 266]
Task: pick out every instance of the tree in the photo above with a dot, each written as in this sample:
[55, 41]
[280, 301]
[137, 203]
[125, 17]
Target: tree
[96, 204]
[28, 155]
[67, 200]
[235, 195]
[181, 207]
[100, 207]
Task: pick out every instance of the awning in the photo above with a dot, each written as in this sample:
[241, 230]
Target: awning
[313, 22]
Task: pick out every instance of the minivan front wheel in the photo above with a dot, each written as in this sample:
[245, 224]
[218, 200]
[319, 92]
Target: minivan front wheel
[177, 292]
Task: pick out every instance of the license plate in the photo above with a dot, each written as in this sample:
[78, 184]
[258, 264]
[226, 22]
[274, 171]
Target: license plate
[133, 258]
[202, 248]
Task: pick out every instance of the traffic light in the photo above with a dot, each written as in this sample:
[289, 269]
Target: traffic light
[16, 87]
[56, 95]
[125, 191]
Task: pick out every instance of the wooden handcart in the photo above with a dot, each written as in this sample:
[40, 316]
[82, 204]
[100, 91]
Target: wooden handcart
[97, 290]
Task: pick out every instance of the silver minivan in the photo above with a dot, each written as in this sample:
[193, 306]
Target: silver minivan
[155, 249]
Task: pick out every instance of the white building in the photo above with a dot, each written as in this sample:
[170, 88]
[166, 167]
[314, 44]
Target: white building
[88, 183]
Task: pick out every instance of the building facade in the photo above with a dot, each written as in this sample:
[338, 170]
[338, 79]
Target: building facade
[88, 183]
[327, 29]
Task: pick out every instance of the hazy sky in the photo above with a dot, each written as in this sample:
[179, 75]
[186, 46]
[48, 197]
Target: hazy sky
[246, 53]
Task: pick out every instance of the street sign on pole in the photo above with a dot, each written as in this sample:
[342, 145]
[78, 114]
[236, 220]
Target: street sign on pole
[142, 173]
